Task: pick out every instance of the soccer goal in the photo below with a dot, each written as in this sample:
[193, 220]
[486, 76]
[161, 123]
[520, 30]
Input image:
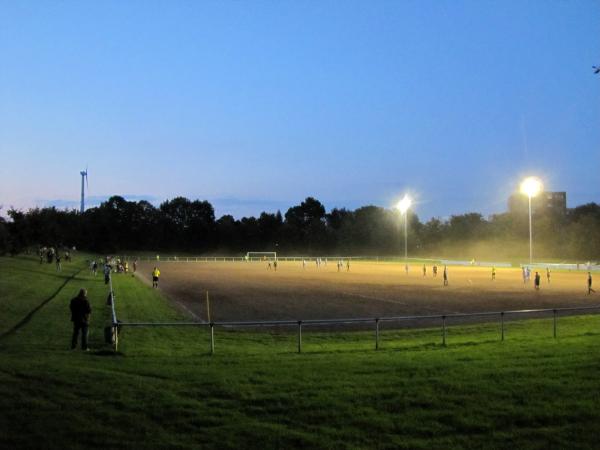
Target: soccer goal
[261, 256]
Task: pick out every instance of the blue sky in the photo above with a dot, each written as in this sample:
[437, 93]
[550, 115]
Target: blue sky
[256, 105]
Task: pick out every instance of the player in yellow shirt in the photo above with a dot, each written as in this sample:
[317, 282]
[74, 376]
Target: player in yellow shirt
[155, 275]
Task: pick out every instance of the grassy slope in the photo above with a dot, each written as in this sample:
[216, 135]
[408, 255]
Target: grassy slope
[164, 390]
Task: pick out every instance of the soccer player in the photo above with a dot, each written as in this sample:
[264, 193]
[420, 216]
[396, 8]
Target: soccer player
[406, 268]
[424, 270]
[548, 274]
[493, 273]
[155, 275]
[445, 276]
[589, 281]
[269, 266]
[348, 266]
[536, 281]
[434, 271]
[275, 265]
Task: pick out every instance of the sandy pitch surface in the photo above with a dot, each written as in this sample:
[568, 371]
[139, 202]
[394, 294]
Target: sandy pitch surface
[241, 291]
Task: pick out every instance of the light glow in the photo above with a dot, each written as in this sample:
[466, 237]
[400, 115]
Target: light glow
[531, 186]
[404, 204]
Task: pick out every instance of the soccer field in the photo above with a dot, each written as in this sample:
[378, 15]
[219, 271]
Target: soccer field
[164, 389]
[241, 291]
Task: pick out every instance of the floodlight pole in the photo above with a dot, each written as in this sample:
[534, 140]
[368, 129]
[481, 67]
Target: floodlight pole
[530, 234]
[405, 235]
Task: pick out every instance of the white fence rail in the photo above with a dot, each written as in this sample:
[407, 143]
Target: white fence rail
[501, 316]
[587, 267]
[160, 259]
[450, 262]
[593, 267]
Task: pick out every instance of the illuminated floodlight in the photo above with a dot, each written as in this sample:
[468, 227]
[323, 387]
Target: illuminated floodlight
[531, 186]
[404, 204]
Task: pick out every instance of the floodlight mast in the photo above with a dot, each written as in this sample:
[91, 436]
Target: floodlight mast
[531, 186]
[403, 206]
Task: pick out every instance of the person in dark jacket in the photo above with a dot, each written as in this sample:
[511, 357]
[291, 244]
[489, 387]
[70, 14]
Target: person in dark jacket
[80, 316]
[107, 270]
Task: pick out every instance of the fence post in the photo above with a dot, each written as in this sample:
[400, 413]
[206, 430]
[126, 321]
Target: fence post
[554, 311]
[444, 330]
[212, 338]
[115, 331]
[299, 336]
[376, 334]
[502, 324]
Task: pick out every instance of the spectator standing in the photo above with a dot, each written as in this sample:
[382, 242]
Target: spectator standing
[107, 270]
[80, 316]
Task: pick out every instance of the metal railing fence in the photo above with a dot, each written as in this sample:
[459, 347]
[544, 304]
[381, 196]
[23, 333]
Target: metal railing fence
[161, 259]
[112, 332]
[376, 321]
[582, 267]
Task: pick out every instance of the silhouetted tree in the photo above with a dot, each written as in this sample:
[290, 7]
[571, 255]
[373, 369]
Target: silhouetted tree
[181, 224]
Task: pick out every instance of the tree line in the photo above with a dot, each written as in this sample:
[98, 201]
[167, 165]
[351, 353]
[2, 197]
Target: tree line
[190, 226]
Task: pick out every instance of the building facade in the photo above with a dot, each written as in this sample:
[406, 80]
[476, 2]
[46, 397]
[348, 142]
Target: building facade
[553, 203]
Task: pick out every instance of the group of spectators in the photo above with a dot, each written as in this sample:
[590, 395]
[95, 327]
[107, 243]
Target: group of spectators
[111, 265]
[50, 255]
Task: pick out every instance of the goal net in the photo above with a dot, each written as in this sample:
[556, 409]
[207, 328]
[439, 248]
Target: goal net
[261, 256]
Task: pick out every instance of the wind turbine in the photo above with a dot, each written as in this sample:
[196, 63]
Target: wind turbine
[84, 174]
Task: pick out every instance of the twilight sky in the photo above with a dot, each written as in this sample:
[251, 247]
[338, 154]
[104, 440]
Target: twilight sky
[255, 105]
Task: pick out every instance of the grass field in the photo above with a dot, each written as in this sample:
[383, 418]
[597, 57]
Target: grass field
[164, 390]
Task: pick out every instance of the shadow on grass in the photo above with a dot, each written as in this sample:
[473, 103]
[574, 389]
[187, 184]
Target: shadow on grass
[107, 352]
[30, 315]
[54, 274]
